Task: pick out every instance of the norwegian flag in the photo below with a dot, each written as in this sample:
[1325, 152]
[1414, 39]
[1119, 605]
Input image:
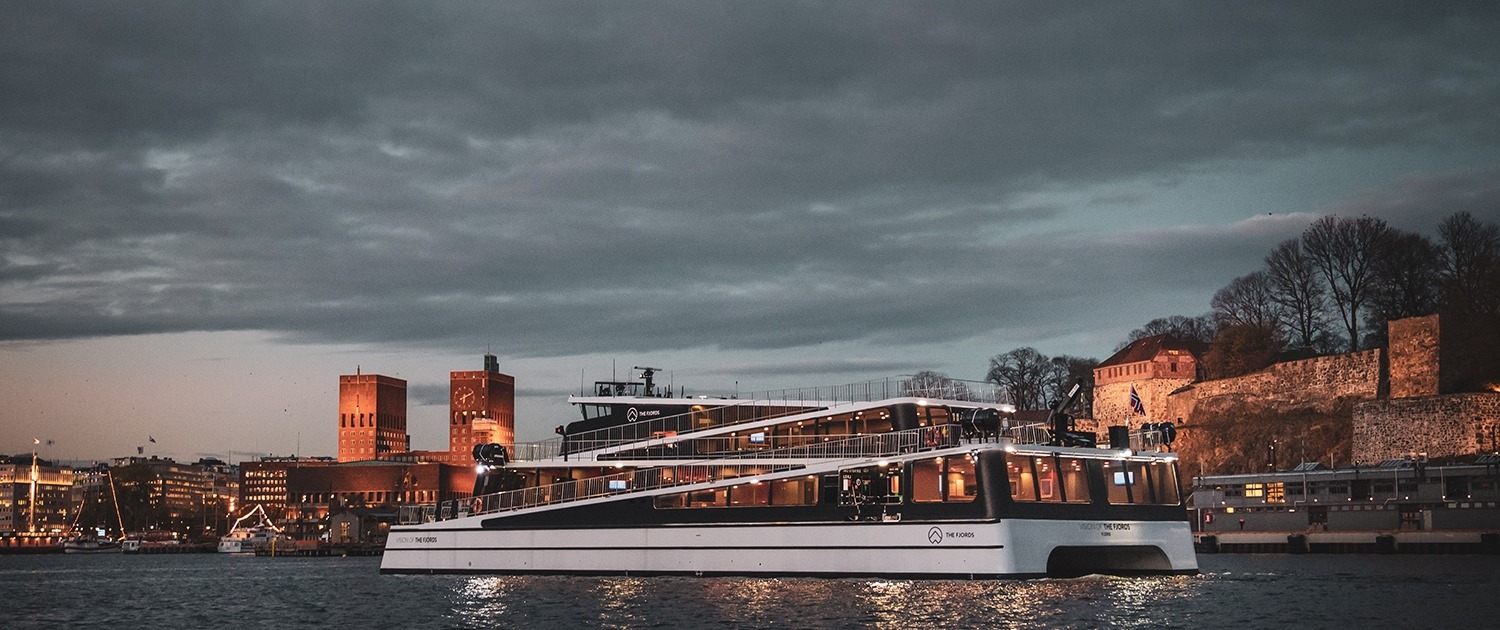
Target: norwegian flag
[1135, 402]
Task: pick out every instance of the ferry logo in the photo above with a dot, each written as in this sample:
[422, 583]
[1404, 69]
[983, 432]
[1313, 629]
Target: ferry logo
[935, 535]
[631, 415]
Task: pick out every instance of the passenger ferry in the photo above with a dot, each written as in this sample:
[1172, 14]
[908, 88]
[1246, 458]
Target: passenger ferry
[885, 478]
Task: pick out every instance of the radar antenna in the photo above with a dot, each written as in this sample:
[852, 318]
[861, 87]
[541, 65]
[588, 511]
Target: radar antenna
[647, 373]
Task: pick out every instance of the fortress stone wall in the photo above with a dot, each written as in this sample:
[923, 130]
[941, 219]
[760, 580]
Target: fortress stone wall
[1112, 401]
[1317, 383]
[1439, 426]
[1435, 390]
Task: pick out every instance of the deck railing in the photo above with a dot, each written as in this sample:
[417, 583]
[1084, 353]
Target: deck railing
[729, 465]
[712, 469]
[803, 399]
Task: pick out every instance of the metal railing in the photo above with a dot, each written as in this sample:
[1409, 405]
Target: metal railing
[826, 397]
[713, 469]
[866, 391]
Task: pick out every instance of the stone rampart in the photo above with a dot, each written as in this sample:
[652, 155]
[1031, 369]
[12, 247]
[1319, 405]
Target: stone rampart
[1354, 375]
[1440, 426]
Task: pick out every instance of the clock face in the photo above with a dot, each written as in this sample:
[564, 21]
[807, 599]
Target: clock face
[463, 397]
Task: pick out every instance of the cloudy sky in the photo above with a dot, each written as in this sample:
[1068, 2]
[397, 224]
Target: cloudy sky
[208, 211]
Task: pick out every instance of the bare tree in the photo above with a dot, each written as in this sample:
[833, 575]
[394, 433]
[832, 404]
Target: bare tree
[1470, 264]
[1247, 301]
[1295, 286]
[1408, 277]
[1024, 373]
[1242, 349]
[1345, 251]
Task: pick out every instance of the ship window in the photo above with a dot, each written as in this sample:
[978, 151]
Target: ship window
[749, 494]
[962, 484]
[708, 498]
[1022, 480]
[1075, 479]
[1164, 485]
[1255, 490]
[877, 424]
[927, 480]
[1126, 482]
[1046, 479]
[668, 501]
[799, 491]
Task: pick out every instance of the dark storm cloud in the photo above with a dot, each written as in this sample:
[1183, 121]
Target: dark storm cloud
[566, 176]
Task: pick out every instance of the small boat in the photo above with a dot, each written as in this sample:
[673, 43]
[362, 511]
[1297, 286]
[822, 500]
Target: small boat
[89, 543]
[141, 542]
[243, 539]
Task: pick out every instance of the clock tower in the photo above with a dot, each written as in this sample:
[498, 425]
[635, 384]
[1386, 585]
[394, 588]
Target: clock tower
[481, 409]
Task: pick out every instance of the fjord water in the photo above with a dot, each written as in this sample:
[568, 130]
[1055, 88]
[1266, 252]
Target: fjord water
[1234, 591]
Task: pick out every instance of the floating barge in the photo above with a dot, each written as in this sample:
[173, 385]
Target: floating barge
[1406, 505]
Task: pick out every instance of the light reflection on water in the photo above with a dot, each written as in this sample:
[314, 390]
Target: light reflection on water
[194, 591]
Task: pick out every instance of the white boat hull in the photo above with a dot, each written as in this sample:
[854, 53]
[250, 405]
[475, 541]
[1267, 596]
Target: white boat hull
[967, 549]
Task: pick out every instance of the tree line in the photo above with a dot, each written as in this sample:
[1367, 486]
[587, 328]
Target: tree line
[1331, 290]
[1336, 287]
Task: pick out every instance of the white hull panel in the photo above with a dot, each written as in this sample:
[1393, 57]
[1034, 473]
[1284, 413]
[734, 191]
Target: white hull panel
[1012, 547]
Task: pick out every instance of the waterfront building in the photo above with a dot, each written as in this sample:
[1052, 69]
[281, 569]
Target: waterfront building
[372, 417]
[301, 492]
[1147, 370]
[35, 495]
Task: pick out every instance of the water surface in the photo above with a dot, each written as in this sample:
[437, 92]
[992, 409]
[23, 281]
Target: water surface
[1234, 591]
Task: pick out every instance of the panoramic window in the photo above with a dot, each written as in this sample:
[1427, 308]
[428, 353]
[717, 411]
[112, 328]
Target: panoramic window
[1047, 487]
[1022, 480]
[1075, 479]
[748, 494]
[1164, 485]
[962, 486]
[927, 480]
[799, 491]
[1120, 480]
